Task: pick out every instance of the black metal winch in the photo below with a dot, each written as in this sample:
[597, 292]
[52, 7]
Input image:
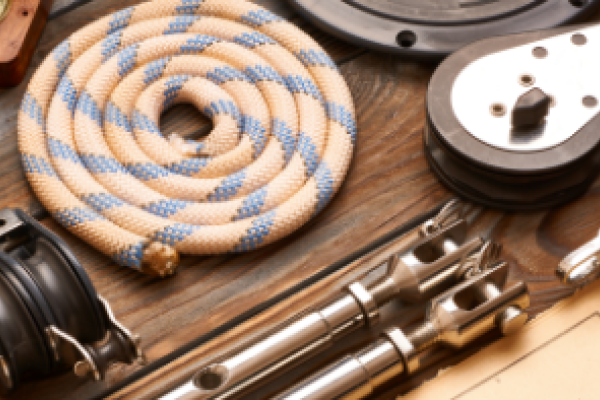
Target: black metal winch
[512, 121]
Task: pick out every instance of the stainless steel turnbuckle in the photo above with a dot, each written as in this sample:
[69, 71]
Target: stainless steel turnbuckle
[454, 318]
[423, 264]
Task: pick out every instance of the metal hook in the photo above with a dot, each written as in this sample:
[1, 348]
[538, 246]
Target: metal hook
[581, 266]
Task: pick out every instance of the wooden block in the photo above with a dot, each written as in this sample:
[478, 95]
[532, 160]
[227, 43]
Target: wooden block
[20, 31]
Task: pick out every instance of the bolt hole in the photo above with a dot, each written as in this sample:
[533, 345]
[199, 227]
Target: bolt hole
[590, 101]
[406, 39]
[468, 299]
[540, 52]
[498, 110]
[25, 13]
[2, 222]
[578, 39]
[578, 3]
[527, 80]
[211, 378]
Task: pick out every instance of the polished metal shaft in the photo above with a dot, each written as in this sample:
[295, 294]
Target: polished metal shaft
[353, 377]
[455, 318]
[420, 268]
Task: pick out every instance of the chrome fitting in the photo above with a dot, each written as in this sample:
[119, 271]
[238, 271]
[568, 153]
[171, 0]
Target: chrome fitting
[420, 265]
[95, 359]
[454, 318]
[582, 265]
[465, 312]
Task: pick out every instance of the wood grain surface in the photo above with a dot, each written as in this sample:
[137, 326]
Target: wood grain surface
[389, 183]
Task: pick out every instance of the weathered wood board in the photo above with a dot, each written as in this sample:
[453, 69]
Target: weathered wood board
[388, 184]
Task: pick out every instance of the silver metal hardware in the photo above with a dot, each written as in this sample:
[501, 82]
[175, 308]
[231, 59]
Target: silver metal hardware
[422, 264]
[582, 265]
[366, 301]
[563, 66]
[454, 318]
[452, 211]
[66, 347]
[134, 340]
[95, 359]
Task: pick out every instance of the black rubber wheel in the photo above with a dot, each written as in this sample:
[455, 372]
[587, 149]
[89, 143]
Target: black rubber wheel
[432, 29]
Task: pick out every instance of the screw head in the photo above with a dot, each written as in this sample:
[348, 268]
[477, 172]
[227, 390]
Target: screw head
[512, 319]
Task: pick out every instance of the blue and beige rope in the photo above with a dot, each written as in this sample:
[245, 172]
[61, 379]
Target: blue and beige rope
[93, 152]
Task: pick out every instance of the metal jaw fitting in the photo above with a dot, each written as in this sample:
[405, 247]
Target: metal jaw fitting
[582, 265]
[120, 345]
[454, 318]
[423, 263]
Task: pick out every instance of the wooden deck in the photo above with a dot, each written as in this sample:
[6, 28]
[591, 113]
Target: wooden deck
[389, 183]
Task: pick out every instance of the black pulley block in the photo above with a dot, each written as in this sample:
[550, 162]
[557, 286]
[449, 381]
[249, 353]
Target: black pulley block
[432, 29]
[512, 121]
[51, 317]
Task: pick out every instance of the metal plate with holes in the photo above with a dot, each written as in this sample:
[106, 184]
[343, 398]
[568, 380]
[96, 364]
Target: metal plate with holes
[564, 67]
[432, 29]
[469, 141]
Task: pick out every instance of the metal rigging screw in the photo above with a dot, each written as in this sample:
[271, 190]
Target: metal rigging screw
[454, 319]
[423, 264]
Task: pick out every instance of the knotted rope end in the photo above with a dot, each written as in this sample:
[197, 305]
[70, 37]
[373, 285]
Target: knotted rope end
[160, 260]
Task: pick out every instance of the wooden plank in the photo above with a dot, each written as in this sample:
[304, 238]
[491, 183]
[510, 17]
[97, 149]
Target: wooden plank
[373, 201]
[371, 266]
[388, 162]
[203, 297]
[389, 183]
[533, 245]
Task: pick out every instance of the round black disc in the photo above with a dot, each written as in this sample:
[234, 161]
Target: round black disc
[498, 177]
[432, 29]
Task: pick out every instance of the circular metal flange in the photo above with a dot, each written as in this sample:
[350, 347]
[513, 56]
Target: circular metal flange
[502, 176]
[432, 29]
[366, 301]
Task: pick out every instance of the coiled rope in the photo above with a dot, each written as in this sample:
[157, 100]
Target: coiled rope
[93, 152]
